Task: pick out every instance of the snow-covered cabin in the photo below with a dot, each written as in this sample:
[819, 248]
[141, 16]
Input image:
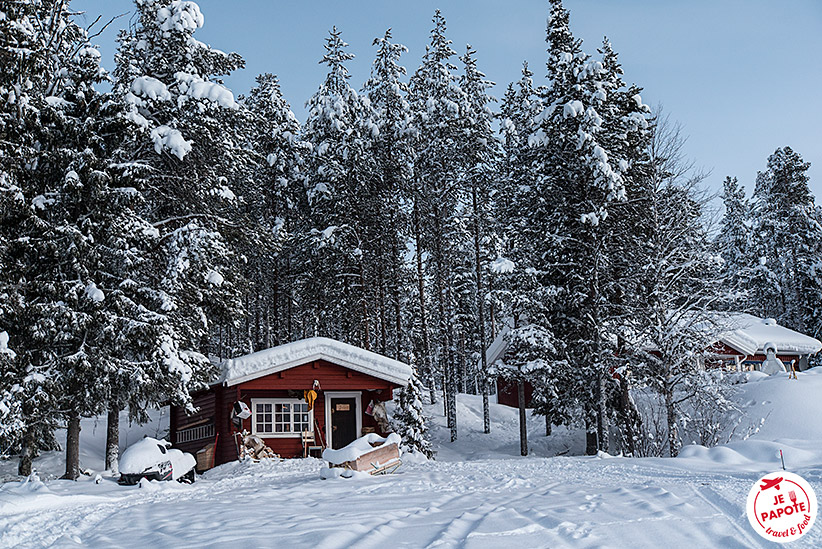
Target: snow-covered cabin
[742, 345]
[273, 382]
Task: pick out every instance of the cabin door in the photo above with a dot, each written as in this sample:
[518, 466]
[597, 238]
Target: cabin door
[345, 418]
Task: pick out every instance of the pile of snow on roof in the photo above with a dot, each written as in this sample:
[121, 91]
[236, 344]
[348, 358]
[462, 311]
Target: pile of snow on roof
[283, 357]
[750, 334]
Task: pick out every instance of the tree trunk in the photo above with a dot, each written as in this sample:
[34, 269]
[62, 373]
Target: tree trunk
[486, 414]
[382, 316]
[447, 325]
[670, 413]
[549, 420]
[28, 455]
[426, 345]
[463, 372]
[630, 418]
[113, 440]
[73, 447]
[366, 329]
[590, 436]
[523, 426]
[602, 413]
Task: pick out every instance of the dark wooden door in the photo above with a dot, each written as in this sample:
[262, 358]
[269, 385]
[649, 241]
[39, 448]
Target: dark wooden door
[343, 421]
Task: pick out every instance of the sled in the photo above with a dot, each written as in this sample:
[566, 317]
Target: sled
[382, 459]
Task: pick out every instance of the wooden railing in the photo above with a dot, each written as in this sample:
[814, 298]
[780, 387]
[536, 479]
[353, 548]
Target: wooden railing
[195, 433]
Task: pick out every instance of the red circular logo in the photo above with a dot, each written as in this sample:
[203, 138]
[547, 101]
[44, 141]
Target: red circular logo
[781, 506]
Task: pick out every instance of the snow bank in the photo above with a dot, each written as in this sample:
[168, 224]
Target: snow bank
[359, 447]
[341, 472]
[286, 356]
[30, 485]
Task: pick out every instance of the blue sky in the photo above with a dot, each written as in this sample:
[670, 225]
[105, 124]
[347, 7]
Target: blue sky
[742, 76]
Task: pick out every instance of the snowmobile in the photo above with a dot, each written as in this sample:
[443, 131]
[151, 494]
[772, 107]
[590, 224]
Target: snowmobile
[154, 459]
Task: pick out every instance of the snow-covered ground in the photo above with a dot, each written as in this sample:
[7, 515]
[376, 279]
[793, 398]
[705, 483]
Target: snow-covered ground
[478, 493]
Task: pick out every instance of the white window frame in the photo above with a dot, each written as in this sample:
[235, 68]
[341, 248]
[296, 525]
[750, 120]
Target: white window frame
[357, 395]
[274, 401]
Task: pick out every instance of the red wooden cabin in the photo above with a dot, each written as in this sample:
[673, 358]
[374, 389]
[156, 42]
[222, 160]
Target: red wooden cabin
[272, 383]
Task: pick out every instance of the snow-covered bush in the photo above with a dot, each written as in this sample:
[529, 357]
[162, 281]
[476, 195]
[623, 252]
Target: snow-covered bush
[410, 421]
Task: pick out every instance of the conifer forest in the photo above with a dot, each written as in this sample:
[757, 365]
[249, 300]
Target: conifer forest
[154, 222]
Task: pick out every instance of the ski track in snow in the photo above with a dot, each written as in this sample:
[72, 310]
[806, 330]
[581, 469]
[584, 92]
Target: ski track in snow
[533, 502]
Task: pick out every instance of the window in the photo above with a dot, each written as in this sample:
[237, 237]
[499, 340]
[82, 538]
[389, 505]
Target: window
[281, 417]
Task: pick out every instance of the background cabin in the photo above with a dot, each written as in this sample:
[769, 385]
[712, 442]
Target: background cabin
[740, 347]
[273, 382]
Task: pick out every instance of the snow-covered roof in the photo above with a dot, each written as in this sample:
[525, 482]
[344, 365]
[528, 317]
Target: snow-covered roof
[497, 348]
[749, 334]
[270, 361]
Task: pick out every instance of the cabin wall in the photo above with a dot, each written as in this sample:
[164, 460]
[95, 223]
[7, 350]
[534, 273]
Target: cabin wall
[200, 423]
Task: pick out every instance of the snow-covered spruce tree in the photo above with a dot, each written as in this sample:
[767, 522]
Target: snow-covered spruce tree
[733, 244]
[583, 166]
[410, 421]
[518, 290]
[480, 157]
[391, 113]
[47, 106]
[627, 130]
[183, 154]
[437, 102]
[25, 76]
[787, 240]
[186, 155]
[530, 355]
[341, 181]
[278, 206]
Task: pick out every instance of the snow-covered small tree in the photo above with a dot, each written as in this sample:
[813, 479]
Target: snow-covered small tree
[526, 358]
[410, 420]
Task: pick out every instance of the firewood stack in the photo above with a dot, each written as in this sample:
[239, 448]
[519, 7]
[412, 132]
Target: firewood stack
[255, 448]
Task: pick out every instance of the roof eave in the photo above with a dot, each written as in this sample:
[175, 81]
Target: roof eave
[311, 358]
